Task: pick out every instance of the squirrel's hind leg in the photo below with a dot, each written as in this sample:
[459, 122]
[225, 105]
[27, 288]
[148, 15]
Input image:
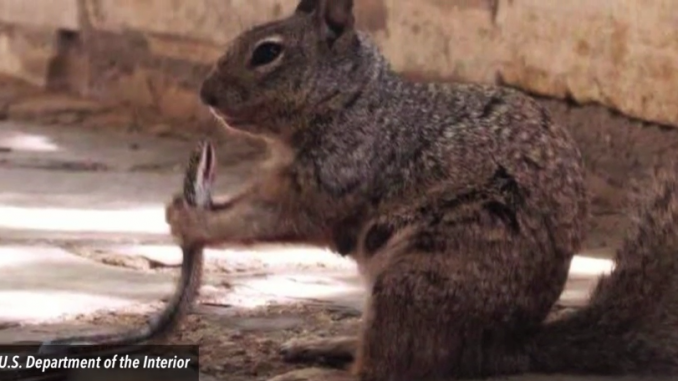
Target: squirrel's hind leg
[427, 319]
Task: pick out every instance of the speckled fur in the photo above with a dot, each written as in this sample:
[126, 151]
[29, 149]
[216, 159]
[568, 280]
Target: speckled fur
[462, 205]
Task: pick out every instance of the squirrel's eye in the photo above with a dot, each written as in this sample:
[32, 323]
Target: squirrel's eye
[265, 53]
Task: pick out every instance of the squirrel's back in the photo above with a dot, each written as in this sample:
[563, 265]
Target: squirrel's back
[631, 322]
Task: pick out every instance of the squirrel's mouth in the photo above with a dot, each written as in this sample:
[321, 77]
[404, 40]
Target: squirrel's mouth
[226, 119]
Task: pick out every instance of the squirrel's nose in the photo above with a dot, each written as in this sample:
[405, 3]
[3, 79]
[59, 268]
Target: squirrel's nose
[207, 94]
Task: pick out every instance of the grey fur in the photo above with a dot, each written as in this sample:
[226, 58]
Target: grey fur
[462, 205]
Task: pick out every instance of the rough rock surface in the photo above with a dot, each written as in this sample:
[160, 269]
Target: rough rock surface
[623, 55]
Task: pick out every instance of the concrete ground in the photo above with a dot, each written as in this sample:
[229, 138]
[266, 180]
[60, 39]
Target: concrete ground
[82, 231]
[71, 199]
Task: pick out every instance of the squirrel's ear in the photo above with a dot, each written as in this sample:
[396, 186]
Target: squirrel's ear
[306, 6]
[336, 16]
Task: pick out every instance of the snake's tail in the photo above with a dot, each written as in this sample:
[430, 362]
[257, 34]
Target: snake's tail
[159, 325]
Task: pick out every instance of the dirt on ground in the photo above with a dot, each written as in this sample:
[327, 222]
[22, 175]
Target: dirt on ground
[243, 345]
[616, 150]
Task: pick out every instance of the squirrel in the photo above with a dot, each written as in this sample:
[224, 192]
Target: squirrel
[462, 205]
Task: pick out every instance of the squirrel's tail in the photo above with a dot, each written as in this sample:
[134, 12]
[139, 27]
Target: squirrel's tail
[631, 322]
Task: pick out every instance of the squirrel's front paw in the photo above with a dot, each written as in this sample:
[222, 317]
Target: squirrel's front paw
[187, 224]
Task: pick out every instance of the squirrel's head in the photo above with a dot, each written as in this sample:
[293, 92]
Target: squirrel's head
[274, 74]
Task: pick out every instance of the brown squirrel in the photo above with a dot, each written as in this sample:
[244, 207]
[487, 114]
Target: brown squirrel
[462, 205]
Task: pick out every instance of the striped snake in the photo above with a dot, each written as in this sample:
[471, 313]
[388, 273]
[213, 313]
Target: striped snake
[197, 187]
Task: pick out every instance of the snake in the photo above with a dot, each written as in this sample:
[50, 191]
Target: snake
[197, 193]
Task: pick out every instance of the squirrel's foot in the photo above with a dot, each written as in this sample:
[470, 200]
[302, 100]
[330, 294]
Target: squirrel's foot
[335, 351]
[315, 374]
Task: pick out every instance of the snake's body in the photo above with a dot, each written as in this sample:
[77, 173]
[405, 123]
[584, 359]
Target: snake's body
[198, 181]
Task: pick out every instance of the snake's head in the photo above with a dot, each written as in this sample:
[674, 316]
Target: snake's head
[205, 175]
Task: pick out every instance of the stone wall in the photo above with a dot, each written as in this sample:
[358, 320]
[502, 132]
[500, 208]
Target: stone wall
[153, 53]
